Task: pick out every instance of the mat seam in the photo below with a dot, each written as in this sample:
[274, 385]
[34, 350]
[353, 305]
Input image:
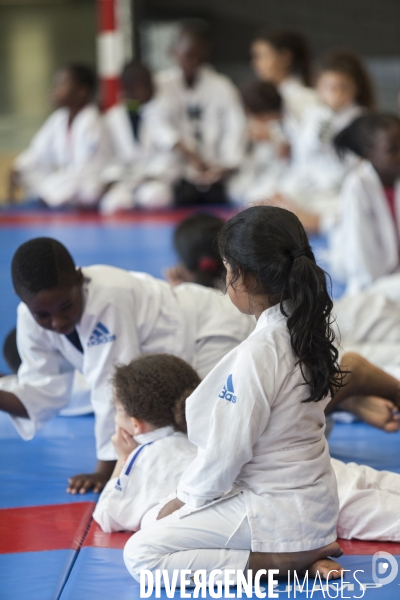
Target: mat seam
[77, 551]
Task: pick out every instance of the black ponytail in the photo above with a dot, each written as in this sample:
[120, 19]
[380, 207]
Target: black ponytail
[270, 244]
[359, 136]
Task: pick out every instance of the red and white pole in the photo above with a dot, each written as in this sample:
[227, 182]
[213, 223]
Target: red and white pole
[110, 52]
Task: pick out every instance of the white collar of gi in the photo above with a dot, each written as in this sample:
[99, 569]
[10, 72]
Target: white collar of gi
[153, 436]
[289, 83]
[273, 314]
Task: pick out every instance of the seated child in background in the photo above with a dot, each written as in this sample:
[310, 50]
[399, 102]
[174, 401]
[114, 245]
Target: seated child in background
[205, 119]
[344, 90]
[364, 243]
[143, 172]
[267, 158]
[150, 438]
[65, 159]
[283, 58]
[199, 259]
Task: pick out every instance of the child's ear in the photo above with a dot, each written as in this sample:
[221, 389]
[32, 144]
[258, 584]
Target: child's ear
[138, 426]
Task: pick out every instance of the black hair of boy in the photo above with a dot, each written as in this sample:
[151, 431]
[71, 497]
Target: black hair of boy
[261, 97]
[42, 264]
[151, 389]
[135, 73]
[196, 29]
[84, 76]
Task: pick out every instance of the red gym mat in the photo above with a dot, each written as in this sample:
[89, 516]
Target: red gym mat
[53, 527]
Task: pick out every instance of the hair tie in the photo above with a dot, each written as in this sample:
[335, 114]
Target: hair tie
[209, 264]
[296, 253]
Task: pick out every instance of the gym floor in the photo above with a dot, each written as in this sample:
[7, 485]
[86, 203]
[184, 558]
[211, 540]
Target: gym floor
[50, 549]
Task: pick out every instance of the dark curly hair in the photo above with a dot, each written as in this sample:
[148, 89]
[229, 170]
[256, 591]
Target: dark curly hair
[154, 388]
[270, 244]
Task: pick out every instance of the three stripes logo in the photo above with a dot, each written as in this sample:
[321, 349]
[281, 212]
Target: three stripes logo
[100, 335]
[228, 392]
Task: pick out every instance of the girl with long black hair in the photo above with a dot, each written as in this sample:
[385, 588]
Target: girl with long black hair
[262, 482]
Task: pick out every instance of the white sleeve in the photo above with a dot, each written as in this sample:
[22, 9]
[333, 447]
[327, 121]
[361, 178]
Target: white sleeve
[36, 162]
[164, 122]
[122, 317]
[122, 503]
[350, 246]
[44, 380]
[81, 180]
[235, 427]
[233, 135]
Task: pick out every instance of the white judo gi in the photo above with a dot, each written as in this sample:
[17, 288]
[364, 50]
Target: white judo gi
[151, 472]
[364, 244]
[262, 479]
[260, 174]
[64, 164]
[142, 170]
[125, 315]
[297, 99]
[316, 172]
[369, 502]
[208, 117]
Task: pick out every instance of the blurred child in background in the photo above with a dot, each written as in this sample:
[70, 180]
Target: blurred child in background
[267, 158]
[142, 173]
[284, 59]
[205, 118]
[345, 91]
[364, 244]
[65, 159]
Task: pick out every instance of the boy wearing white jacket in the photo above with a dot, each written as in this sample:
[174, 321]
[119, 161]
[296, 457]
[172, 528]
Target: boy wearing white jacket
[93, 318]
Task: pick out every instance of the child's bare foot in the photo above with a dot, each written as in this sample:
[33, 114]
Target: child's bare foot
[327, 568]
[293, 561]
[375, 411]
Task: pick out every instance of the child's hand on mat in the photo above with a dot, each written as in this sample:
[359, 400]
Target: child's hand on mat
[170, 508]
[123, 443]
[80, 484]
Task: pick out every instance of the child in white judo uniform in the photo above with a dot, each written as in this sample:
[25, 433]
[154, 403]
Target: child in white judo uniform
[65, 159]
[150, 438]
[266, 163]
[262, 482]
[316, 172]
[368, 324]
[150, 396]
[284, 59]
[364, 244]
[142, 172]
[92, 318]
[205, 118]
